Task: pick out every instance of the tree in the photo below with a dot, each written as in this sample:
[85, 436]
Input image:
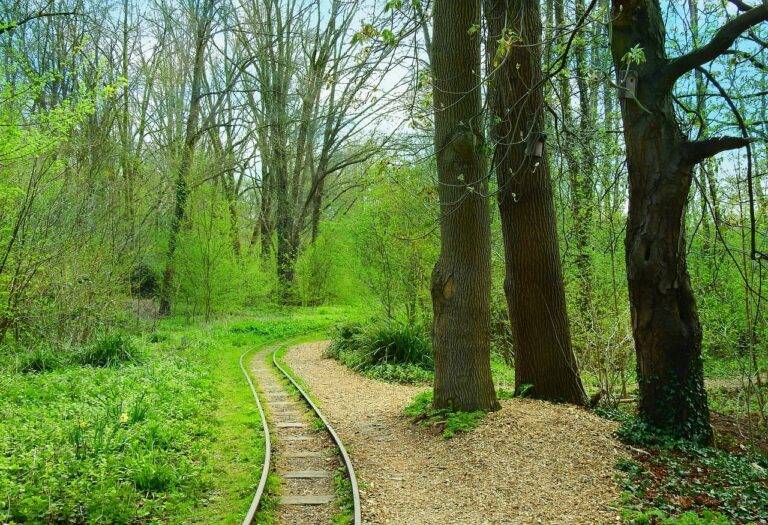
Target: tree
[544, 360]
[660, 162]
[203, 17]
[461, 280]
[321, 96]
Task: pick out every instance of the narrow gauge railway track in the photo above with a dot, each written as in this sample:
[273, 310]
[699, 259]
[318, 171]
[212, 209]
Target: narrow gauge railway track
[300, 456]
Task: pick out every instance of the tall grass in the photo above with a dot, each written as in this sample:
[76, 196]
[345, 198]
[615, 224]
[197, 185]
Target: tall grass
[385, 350]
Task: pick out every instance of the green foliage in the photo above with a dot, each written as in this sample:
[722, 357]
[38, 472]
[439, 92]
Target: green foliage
[109, 350]
[399, 373]
[393, 239]
[385, 350]
[343, 487]
[292, 322]
[169, 439]
[104, 445]
[677, 476]
[326, 270]
[41, 358]
[658, 517]
[145, 281]
[206, 264]
[451, 422]
[59, 275]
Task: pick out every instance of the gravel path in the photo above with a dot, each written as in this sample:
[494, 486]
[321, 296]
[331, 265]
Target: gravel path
[530, 462]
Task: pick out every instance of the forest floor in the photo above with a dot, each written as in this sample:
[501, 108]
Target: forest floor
[170, 436]
[530, 462]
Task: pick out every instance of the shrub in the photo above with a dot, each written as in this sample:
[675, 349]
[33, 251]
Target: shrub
[40, 358]
[392, 343]
[109, 350]
[385, 350]
[144, 282]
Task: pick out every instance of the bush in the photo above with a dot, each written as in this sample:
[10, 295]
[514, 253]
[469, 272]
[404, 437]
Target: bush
[109, 350]
[41, 358]
[385, 350]
[144, 282]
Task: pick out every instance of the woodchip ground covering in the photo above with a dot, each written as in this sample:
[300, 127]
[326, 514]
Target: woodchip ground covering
[530, 462]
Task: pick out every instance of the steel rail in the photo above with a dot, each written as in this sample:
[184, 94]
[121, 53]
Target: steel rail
[334, 436]
[267, 446]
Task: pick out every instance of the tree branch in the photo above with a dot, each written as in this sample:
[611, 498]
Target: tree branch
[719, 44]
[748, 58]
[742, 6]
[10, 26]
[699, 150]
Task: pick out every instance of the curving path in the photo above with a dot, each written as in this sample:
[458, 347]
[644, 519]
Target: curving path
[529, 463]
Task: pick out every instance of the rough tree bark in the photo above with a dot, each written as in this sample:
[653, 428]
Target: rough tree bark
[660, 161]
[461, 280]
[534, 282]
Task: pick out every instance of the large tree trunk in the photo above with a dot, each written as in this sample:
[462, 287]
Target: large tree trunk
[286, 245]
[665, 322]
[544, 361]
[461, 280]
[265, 227]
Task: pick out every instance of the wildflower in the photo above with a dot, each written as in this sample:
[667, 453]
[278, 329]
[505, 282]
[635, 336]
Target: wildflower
[123, 418]
[82, 423]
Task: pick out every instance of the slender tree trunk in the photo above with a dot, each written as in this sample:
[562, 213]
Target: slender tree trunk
[544, 360]
[187, 153]
[581, 185]
[665, 322]
[317, 208]
[126, 161]
[461, 280]
[265, 226]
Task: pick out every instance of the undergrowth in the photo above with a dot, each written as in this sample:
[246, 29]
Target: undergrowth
[449, 422]
[107, 350]
[345, 515]
[154, 429]
[385, 350]
[101, 445]
[675, 482]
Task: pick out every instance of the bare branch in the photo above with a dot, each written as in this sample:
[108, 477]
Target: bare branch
[10, 26]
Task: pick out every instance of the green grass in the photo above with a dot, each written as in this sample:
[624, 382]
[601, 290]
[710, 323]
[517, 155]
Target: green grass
[169, 434]
[344, 500]
[109, 445]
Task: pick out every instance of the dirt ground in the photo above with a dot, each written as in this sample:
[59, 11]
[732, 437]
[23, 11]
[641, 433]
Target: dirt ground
[530, 462]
